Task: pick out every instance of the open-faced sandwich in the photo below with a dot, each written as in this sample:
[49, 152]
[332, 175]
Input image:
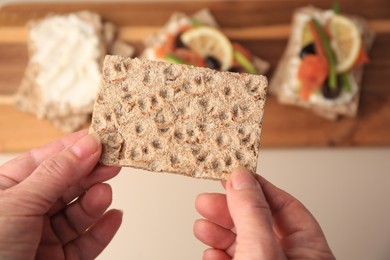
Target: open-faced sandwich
[198, 41]
[322, 66]
[63, 73]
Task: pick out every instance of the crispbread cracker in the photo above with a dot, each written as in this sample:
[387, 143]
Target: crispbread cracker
[281, 76]
[179, 119]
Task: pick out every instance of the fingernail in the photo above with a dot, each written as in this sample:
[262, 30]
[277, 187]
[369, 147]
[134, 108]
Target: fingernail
[86, 146]
[242, 178]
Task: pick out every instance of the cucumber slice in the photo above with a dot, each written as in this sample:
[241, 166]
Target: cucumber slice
[244, 62]
[174, 59]
[346, 83]
[196, 23]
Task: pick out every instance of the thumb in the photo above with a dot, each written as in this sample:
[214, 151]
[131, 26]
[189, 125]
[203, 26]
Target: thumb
[38, 192]
[252, 217]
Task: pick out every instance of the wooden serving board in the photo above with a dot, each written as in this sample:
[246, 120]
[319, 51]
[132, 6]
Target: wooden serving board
[261, 26]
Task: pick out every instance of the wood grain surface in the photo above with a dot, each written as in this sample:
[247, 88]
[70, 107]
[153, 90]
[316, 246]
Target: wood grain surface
[261, 26]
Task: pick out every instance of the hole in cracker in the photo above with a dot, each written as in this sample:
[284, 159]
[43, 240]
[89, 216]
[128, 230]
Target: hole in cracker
[246, 139]
[201, 158]
[215, 164]
[228, 161]
[220, 140]
[118, 110]
[252, 87]
[203, 103]
[122, 150]
[239, 155]
[235, 111]
[118, 67]
[254, 90]
[146, 78]
[170, 74]
[207, 78]
[195, 151]
[139, 129]
[244, 108]
[142, 104]
[248, 166]
[174, 159]
[163, 93]
[156, 144]
[177, 91]
[160, 118]
[187, 87]
[100, 98]
[178, 134]
[135, 154]
[154, 101]
[202, 127]
[254, 149]
[163, 130]
[190, 132]
[107, 117]
[181, 111]
[242, 131]
[127, 96]
[198, 80]
[223, 116]
[228, 91]
[96, 121]
[145, 150]
[125, 89]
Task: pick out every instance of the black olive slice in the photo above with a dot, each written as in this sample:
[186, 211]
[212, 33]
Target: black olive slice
[306, 50]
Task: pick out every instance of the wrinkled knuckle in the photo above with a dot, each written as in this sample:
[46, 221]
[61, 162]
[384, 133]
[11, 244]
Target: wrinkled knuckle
[256, 206]
[54, 167]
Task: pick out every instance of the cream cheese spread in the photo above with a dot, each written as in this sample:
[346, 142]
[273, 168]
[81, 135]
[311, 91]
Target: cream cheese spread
[66, 49]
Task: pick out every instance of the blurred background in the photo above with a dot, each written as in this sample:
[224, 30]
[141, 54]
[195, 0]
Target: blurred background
[339, 169]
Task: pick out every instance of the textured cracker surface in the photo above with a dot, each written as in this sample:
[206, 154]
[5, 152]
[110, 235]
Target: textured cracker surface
[178, 119]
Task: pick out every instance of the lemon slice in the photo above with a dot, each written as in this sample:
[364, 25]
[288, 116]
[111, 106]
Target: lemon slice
[345, 41]
[207, 41]
[307, 36]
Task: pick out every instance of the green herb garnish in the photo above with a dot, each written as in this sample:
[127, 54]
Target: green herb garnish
[329, 54]
[174, 59]
[345, 81]
[336, 7]
[196, 23]
[244, 62]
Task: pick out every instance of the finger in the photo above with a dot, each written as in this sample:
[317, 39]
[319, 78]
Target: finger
[213, 206]
[215, 254]
[223, 183]
[16, 170]
[38, 192]
[93, 242]
[100, 174]
[81, 214]
[213, 235]
[251, 216]
[290, 216]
